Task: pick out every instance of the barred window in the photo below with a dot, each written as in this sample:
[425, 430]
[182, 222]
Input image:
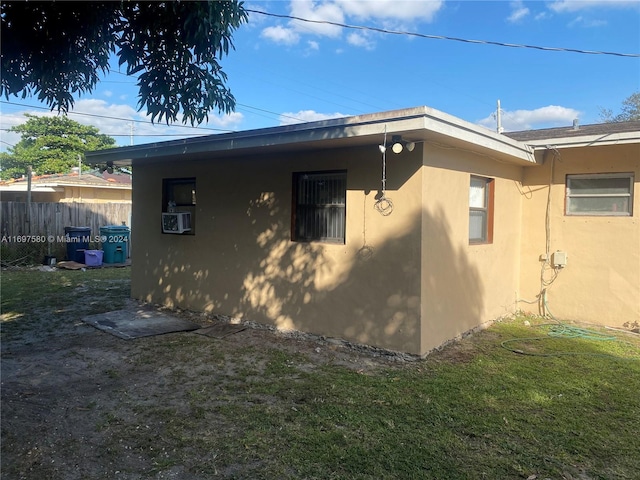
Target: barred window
[319, 206]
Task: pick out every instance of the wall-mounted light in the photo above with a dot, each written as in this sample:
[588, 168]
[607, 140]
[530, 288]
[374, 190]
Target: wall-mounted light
[397, 144]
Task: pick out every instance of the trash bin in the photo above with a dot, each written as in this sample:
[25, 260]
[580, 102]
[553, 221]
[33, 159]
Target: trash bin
[77, 241]
[115, 243]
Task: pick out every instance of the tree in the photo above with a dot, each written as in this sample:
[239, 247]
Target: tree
[50, 145]
[630, 110]
[56, 50]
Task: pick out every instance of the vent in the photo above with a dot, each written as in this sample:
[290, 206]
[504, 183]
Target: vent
[176, 222]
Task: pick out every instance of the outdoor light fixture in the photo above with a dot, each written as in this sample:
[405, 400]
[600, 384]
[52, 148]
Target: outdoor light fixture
[397, 144]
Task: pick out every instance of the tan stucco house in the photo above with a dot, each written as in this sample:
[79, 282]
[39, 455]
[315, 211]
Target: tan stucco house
[87, 187]
[331, 228]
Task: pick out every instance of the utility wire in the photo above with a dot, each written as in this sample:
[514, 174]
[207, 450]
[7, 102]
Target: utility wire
[442, 37]
[117, 118]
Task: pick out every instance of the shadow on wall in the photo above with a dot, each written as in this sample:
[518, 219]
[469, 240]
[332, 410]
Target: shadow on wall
[377, 291]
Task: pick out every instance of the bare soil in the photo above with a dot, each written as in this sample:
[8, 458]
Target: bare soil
[79, 403]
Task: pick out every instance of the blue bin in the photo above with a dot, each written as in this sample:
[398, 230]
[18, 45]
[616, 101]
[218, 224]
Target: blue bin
[115, 243]
[77, 240]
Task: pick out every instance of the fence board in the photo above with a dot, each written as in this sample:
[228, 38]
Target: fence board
[50, 219]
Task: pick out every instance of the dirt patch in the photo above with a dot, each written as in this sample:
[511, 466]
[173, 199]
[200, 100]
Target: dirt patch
[79, 403]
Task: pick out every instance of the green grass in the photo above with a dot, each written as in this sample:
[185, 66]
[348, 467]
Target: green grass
[558, 408]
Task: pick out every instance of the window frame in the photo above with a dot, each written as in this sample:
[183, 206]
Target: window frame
[296, 207]
[167, 195]
[593, 176]
[487, 209]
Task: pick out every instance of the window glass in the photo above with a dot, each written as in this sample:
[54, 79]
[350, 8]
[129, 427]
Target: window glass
[480, 210]
[179, 196]
[600, 194]
[319, 206]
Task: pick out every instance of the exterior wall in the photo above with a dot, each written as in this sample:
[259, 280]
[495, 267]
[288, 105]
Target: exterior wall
[463, 285]
[95, 195]
[601, 282]
[53, 197]
[242, 262]
[73, 194]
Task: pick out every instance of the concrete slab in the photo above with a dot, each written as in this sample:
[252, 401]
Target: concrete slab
[129, 324]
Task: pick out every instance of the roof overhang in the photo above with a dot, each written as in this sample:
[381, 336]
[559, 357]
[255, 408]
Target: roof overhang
[420, 124]
[21, 187]
[619, 138]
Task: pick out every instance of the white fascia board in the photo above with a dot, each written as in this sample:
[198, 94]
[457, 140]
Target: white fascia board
[477, 136]
[422, 121]
[621, 138]
[34, 188]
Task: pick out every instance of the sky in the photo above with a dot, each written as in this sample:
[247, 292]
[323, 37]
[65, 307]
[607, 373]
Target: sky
[284, 71]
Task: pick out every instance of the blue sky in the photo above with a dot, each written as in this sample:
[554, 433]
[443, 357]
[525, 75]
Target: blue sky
[285, 71]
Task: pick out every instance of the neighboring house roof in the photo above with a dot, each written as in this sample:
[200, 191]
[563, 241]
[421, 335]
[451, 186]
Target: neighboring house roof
[601, 133]
[51, 183]
[419, 124]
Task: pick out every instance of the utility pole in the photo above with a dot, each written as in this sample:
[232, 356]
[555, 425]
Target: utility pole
[499, 128]
[29, 175]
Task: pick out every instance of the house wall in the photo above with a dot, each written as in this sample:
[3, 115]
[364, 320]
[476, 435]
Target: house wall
[465, 286]
[601, 282]
[241, 261]
[95, 195]
[35, 196]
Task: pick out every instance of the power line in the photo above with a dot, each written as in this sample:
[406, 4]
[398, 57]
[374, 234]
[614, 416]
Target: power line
[126, 134]
[442, 37]
[117, 118]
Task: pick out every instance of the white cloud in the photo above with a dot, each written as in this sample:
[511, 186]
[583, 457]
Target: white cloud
[394, 14]
[313, 45]
[392, 10]
[580, 21]
[289, 118]
[280, 34]
[358, 39]
[560, 6]
[544, 117]
[116, 120]
[323, 12]
[518, 12]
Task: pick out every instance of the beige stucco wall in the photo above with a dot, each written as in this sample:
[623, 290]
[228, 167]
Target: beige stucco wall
[465, 286]
[242, 263]
[601, 283]
[95, 195]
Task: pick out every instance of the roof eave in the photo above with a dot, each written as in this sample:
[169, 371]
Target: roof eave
[416, 124]
[620, 138]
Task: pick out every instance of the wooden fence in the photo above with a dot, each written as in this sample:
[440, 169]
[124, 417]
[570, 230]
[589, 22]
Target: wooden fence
[30, 232]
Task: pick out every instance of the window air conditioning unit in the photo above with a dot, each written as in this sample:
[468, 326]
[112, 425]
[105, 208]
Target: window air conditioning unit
[176, 222]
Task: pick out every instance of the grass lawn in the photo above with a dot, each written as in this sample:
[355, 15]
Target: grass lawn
[517, 401]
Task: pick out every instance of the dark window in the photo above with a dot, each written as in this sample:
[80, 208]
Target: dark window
[319, 206]
[481, 210]
[609, 194]
[179, 196]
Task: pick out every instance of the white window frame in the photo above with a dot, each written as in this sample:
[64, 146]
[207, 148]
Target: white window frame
[486, 210]
[569, 195]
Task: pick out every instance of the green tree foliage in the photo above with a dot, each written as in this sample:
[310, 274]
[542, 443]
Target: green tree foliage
[630, 110]
[56, 50]
[50, 145]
